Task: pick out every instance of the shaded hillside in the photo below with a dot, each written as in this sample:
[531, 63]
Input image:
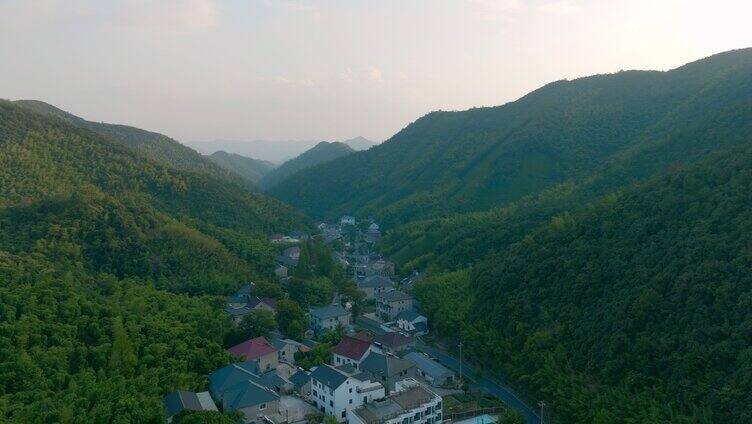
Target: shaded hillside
[635, 308]
[151, 144]
[248, 168]
[449, 162]
[320, 154]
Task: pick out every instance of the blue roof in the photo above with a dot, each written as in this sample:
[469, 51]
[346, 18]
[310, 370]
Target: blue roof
[230, 375]
[330, 311]
[246, 394]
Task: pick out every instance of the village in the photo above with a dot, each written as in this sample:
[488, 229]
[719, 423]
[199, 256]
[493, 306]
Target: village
[362, 357]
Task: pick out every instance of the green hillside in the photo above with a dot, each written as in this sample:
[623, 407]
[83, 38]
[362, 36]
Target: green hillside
[320, 154]
[248, 168]
[450, 162]
[634, 309]
[153, 145]
[109, 267]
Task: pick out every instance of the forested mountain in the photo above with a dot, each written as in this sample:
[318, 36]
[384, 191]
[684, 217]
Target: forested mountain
[248, 168]
[616, 126]
[320, 154]
[636, 308]
[150, 144]
[99, 247]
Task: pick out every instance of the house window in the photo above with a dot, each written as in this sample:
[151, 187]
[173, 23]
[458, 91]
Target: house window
[350, 402]
[350, 389]
[331, 404]
[344, 413]
[262, 407]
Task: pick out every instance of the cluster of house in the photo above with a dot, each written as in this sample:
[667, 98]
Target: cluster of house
[368, 382]
[379, 380]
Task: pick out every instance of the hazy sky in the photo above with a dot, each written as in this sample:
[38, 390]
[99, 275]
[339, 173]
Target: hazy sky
[286, 69]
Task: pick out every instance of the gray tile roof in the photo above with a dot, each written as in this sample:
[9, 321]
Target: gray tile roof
[246, 394]
[376, 281]
[428, 365]
[181, 400]
[300, 378]
[330, 311]
[328, 376]
[378, 364]
[395, 295]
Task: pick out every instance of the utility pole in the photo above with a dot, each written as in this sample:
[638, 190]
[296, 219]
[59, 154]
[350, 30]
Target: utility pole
[462, 376]
[542, 405]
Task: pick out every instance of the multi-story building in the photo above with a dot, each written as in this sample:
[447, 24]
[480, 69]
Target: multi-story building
[412, 403]
[391, 303]
[334, 392]
[329, 318]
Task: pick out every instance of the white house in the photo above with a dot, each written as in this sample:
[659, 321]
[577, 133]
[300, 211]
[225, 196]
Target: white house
[412, 322]
[351, 351]
[334, 392]
[412, 403]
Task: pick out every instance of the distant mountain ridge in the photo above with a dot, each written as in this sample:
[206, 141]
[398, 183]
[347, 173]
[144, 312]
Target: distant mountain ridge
[321, 153]
[272, 151]
[248, 168]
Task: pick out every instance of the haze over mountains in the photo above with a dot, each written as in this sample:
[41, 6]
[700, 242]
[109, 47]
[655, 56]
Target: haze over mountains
[272, 151]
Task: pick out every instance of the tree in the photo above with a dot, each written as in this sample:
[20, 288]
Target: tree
[512, 417]
[257, 323]
[122, 357]
[291, 318]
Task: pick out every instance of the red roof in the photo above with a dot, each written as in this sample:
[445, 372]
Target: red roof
[393, 339]
[351, 347]
[252, 349]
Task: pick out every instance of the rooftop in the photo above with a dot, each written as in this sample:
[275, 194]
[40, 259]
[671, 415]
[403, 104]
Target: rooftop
[352, 347]
[252, 349]
[393, 339]
[395, 295]
[182, 400]
[331, 311]
[380, 364]
[376, 281]
[396, 404]
[428, 365]
[329, 376]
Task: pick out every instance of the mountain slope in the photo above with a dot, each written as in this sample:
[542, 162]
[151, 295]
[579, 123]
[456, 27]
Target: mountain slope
[449, 162]
[248, 168]
[127, 208]
[111, 269]
[320, 154]
[150, 144]
[635, 308]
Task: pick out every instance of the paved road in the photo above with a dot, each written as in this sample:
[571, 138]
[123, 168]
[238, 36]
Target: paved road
[483, 384]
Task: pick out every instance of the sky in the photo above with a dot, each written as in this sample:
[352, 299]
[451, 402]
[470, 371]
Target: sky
[332, 69]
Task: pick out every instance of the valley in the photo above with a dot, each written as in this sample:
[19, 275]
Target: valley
[580, 255]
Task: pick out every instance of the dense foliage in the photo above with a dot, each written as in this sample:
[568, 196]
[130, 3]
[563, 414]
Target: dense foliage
[321, 153]
[449, 162]
[248, 168]
[110, 263]
[635, 309]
